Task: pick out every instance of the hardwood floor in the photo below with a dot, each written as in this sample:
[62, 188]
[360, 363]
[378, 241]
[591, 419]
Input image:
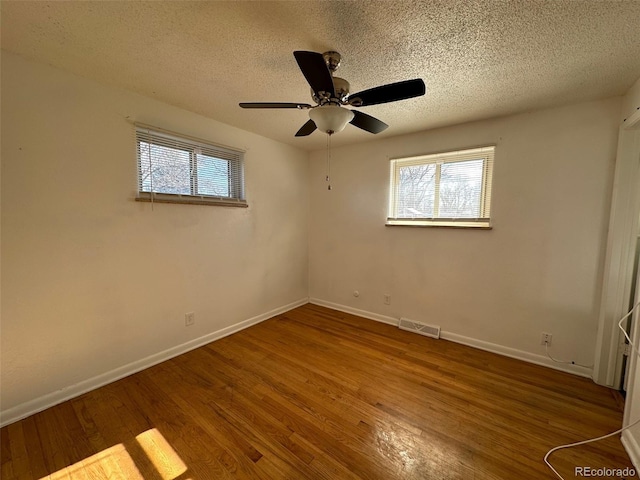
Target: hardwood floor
[320, 394]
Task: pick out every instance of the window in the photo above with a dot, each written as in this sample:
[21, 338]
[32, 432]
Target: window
[178, 169]
[451, 189]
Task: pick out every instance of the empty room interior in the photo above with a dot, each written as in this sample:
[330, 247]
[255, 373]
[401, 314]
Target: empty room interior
[320, 239]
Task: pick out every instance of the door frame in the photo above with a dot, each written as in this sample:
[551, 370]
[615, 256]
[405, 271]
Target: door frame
[621, 244]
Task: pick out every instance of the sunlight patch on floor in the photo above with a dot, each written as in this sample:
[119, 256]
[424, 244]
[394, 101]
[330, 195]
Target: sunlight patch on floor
[167, 462]
[113, 462]
[116, 463]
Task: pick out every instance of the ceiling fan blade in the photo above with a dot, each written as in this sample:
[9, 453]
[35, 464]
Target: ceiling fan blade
[315, 70]
[367, 122]
[307, 129]
[300, 106]
[388, 93]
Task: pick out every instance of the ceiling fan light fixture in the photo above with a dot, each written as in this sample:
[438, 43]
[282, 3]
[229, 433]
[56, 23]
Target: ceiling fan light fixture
[330, 118]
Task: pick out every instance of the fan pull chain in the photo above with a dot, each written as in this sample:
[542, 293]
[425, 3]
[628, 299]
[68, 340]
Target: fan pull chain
[328, 161]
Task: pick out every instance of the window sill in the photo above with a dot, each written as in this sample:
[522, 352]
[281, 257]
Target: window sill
[190, 200]
[476, 225]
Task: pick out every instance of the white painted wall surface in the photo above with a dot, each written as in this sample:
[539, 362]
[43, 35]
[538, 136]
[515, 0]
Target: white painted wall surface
[539, 269]
[91, 279]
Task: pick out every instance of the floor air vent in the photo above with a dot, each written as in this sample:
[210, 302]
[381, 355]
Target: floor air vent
[421, 328]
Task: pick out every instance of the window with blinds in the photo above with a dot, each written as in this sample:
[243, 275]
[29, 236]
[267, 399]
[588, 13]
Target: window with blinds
[451, 189]
[177, 169]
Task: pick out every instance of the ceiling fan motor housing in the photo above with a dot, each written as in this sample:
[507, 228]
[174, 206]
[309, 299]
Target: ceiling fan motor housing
[332, 59]
[341, 87]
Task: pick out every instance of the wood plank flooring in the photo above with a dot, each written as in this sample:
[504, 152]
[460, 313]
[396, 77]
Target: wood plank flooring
[320, 394]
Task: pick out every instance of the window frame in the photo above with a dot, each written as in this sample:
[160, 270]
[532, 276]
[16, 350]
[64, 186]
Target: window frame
[193, 147]
[485, 153]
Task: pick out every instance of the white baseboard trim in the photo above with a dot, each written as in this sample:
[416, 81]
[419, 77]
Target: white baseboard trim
[517, 354]
[471, 342]
[354, 311]
[49, 400]
[632, 447]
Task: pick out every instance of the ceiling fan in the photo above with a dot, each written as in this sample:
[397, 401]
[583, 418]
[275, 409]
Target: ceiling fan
[331, 95]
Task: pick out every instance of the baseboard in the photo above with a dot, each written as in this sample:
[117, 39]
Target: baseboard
[49, 400]
[354, 311]
[517, 354]
[632, 447]
[471, 342]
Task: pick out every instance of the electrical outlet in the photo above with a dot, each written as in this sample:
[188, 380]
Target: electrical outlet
[545, 339]
[387, 299]
[189, 319]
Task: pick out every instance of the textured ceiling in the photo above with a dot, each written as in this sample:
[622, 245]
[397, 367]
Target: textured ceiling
[479, 59]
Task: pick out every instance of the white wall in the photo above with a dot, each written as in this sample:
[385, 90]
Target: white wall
[539, 269]
[92, 280]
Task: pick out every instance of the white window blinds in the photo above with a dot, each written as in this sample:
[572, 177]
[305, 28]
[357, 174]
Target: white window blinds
[175, 168]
